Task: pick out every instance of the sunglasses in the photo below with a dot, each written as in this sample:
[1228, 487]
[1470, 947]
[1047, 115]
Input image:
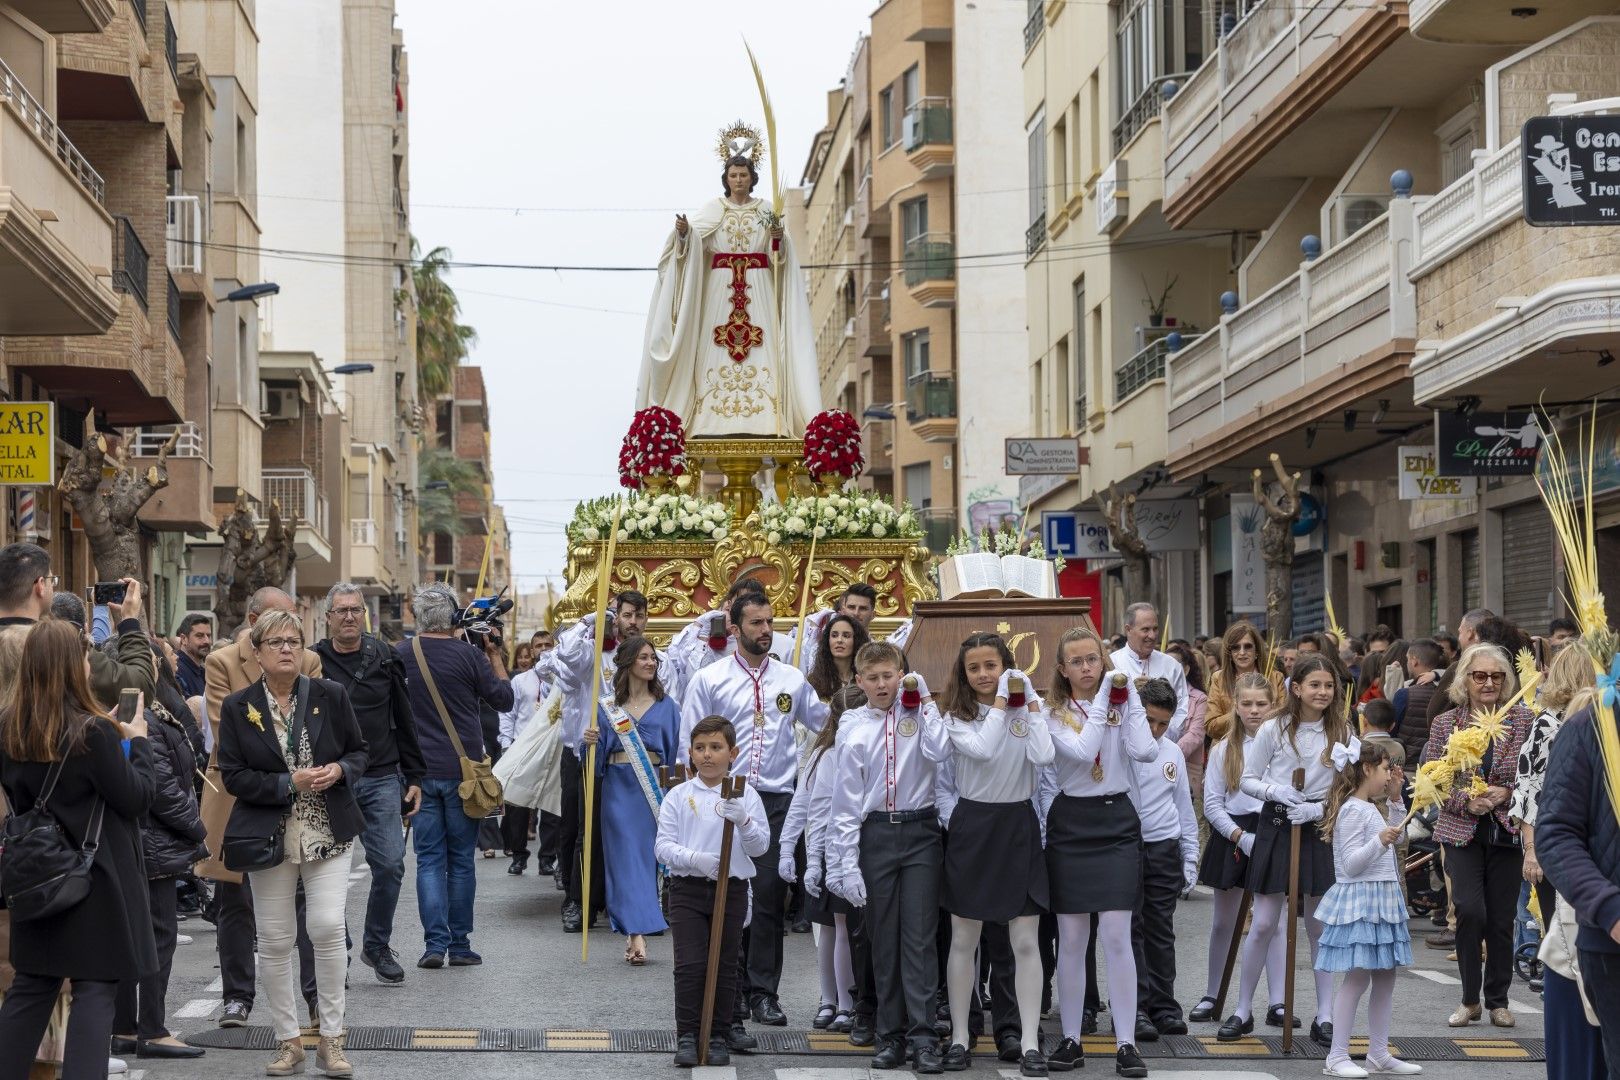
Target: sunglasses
[1482, 677]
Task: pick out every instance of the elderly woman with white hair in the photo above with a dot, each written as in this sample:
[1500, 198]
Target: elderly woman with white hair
[444, 704]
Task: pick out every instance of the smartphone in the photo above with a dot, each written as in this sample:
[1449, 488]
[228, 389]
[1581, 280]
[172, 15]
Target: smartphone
[128, 699]
[109, 592]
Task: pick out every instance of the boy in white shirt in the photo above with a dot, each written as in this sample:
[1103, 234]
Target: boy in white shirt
[690, 826]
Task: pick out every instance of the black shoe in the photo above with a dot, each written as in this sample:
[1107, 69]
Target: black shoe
[686, 1051]
[840, 1023]
[1322, 1032]
[862, 1030]
[801, 926]
[1127, 1062]
[1032, 1064]
[1088, 1023]
[927, 1061]
[1235, 1028]
[766, 1011]
[1008, 1047]
[546, 865]
[1274, 1017]
[824, 1017]
[171, 1051]
[124, 1046]
[572, 919]
[1068, 1055]
[386, 964]
[957, 1058]
[235, 1014]
[738, 1039]
[519, 864]
[1145, 1031]
[1203, 1012]
[1171, 1025]
[718, 1054]
[891, 1055]
[465, 959]
[431, 960]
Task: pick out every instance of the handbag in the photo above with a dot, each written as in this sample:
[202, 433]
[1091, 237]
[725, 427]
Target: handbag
[480, 791]
[42, 872]
[247, 854]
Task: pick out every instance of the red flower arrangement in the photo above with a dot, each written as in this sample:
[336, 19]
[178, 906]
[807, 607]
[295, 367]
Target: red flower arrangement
[655, 445]
[832, 445]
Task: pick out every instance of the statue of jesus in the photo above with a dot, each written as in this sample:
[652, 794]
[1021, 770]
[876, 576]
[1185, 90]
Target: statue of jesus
[729, 345]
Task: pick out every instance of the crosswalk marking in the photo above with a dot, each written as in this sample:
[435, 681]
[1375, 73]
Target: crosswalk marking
[197, 1009]
[1436, 976]
[1521, 1007]
[835, 1074]
[714, 1072]
[217, 986]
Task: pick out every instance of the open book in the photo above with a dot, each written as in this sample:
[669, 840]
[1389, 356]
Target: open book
[968, 577]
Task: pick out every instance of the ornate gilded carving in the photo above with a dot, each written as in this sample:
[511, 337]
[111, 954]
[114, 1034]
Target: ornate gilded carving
[668, 585]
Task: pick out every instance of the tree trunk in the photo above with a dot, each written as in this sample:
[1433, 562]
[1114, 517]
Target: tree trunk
[1277, 547]
[248, 563]
[108, 507]
[1120, 513]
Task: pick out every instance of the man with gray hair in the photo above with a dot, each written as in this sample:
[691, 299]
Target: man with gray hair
[1142, 660]
[375, 679]
[446, 839]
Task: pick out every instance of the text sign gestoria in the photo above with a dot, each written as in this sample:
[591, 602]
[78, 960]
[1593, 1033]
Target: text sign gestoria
[1044, 457]
[1571, 169]
[27, 443]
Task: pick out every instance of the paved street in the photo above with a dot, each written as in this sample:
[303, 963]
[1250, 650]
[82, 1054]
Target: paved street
[532, 978]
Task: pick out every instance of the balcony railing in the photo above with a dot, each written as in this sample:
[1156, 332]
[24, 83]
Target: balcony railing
[927, 121]
[35, 116]
[1487, 196]
[185, 232]
[301, 500]
[140, 11]
[1144, 108]
[1141, 369]
[1035, 236]
[148, 441]
[877, 441]
[130, 261]
[174, 309]
[930, 257]
[1080, 412]
[872, 321]
[362, 532]
[930, 396]
[1033, 25]
[939, 527]
[171, 43]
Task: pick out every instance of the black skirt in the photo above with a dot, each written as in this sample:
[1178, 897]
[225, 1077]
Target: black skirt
[1268, 865]
[1224, 866]
[1093, 854]
[821, 909]
[994, 868]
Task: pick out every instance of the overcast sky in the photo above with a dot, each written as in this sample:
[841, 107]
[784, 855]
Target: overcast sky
[549, 133]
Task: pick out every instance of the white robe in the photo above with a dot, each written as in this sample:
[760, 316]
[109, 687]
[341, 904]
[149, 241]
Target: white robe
[775, 389]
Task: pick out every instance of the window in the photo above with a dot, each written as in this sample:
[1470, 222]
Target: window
[910, 87]
[1037, 397]
[913, 220]
[1060, 394]
[1060, 159]
[886, 120]
[1154, 39]
[1458, 140]
[1094, 162]
[919, 486]
[915, 345]
[1037, 168]
[1078, 354]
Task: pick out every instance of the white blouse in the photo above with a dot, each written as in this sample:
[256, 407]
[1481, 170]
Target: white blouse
[1085, 742]
[999, 754]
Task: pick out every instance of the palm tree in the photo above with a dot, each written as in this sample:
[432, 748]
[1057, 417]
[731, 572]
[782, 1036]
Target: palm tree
[442, 340]
[441, 478]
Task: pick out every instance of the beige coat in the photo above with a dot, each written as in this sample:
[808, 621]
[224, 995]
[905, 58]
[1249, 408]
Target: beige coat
[230, 668]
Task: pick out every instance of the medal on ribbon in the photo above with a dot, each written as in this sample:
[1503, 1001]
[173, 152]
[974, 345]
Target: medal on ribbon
[1097, 769]
[759, 718]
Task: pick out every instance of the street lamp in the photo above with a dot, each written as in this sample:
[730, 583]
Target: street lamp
[878, 412]
[354, 369]
[252, 292]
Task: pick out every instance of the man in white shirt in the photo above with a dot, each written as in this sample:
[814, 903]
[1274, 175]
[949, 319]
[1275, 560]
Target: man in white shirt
[528, 691]
[1141, 659]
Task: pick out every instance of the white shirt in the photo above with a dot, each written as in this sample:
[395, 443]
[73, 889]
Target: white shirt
[1357, 854]
[886, 763]
[1271, 758]
[1221, 805]
[1163, 800]
[998, 756]
[688, 825]
[569, 665]
[527, 694]
[823, 783]
[1158, 665]
[691, 652]
[767, 753]
[1082, 739]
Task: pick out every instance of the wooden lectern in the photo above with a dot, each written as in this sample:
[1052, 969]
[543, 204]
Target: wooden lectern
[1032, 628]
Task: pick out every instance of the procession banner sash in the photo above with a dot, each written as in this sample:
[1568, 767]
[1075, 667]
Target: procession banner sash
[646, 772]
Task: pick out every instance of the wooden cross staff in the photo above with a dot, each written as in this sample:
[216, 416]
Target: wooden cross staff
[730, 788]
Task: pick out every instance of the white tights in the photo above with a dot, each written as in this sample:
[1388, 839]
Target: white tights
[1269, 924]
[1074, 934]
[962, 972]
[1223, 926]
[832, 958]
[1380, 1008]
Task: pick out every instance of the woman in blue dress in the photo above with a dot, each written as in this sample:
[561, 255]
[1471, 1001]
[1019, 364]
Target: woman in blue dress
[635, 733]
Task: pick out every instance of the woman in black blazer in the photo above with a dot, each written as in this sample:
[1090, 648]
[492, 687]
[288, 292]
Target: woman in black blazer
[290, 749]
[107, 937]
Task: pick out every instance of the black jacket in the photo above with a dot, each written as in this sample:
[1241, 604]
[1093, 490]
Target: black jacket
[173, 833]
[256, 773]
[375, 681]
[107, 937]
[1577, 838]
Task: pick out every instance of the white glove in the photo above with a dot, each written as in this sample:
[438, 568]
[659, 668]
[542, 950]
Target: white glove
[1281, 793]
[812, 879]
[1246, 843]
[1002, 690]
[588, 619]
[735, 812]
[1189, 874]
[707, 863]
[855, 888]
[1305, 813]
[922, 684]
[785, 868]
[835, 884]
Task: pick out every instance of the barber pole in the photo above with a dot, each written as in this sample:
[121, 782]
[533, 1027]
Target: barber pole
[27, 506]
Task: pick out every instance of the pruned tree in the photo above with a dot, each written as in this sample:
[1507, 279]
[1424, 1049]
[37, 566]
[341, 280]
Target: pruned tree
[1120, 513]
[1277, 546]
[108, 505]
[249, 562]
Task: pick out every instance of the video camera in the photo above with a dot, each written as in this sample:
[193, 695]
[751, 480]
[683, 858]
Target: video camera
[481, 620]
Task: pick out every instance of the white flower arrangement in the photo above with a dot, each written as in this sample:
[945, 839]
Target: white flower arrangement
[1004, 541]
[665, 516]
[844, 515]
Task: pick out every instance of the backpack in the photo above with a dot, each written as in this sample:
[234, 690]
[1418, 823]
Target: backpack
[42, 873]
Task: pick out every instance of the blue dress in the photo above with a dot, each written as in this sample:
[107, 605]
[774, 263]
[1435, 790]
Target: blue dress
[629, 827]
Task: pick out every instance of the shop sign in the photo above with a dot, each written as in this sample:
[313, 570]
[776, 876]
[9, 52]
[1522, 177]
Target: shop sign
[1247, 520]
[28, 443]
[1486, 444]
[1044, 457]
[1164, 524]
[1420, 480]
[1571, 170]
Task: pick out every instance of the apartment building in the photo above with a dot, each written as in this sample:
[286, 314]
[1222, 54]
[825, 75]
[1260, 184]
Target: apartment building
[459, 424]
[1363, 162]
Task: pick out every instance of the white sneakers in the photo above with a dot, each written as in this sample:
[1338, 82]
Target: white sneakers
[1394, 1067]
[1346, 1068]
[1388, 1067]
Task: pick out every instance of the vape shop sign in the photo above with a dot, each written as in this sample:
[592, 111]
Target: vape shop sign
[1486, 444]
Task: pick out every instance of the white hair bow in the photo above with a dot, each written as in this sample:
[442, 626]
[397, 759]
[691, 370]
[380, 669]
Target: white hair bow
[1346, 754]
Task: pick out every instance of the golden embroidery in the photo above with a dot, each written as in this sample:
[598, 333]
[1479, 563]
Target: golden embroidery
[739, 224]
[733, 391]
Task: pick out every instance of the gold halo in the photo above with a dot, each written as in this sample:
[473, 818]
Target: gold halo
[739, 129]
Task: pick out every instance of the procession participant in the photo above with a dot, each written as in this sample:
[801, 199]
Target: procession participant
[550, 825]
[859, 602]
[528, 691]
[636, 731]
[1141, 660]
[994, 869]
[1094, 839]
[700, 642]
[886, 836]
[833, 666]
[1163, 798]
[763, 698]
[1301, 737]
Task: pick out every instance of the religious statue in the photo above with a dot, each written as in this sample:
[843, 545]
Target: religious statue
[729, 345]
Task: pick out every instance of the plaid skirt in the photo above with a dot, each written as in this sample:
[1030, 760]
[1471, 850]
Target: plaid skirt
[1363, 926]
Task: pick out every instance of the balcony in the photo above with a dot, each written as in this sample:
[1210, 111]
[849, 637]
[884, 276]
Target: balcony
[877, 444]
[872, 321]
[1034, 24]
[185, 234]
[67, 16]
[1329, 337]
[925, 20]
[130, 262]
[1470, 22]
[171, 43]
[931, 406]
[929, 264]
[365, 556]
[1035, 236]
[939, 527]
[1145, 108]
[302, 505]
[926, 132]
[1145, 367]
[56, 238]
[186, 504]
[871, 222]
[174, 308]
[102, 76]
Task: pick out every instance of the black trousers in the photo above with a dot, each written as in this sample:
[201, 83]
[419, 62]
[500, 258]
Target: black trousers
[236, 937]
[515, 830]
[763, 938]
[139, 1009]
[901, 864]
[27, 1010]
[548, 834]
[1600, 971]
[691, 910]
[1153, 930]
[864, 993]
[571, 842]
[1485, 891]
[568, 821]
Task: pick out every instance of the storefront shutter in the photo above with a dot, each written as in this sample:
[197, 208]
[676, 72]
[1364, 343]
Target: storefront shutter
[1529, 568]
[1473, 583]
[1308, 593]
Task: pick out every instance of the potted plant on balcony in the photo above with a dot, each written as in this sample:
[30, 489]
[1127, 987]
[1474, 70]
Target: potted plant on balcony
[1156, 301]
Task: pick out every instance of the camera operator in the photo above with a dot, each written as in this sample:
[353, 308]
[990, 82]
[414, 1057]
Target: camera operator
[445, 837]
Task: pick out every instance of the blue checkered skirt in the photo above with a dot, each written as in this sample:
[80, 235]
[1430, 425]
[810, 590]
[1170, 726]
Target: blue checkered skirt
[1363, 926]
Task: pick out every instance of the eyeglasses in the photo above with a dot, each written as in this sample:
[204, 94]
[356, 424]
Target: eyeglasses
[1243, 646]
[1083, 661]
[284, 644]
[51, 580]
[1482, 677]
[348, 612]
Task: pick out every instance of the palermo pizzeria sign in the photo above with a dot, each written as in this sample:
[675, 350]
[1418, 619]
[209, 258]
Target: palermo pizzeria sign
[1571, 170]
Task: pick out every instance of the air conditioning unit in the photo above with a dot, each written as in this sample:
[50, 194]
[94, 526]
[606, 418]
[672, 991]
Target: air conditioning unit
[849, 328]
[1352, 213]
[908, 130]
[281, 403]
